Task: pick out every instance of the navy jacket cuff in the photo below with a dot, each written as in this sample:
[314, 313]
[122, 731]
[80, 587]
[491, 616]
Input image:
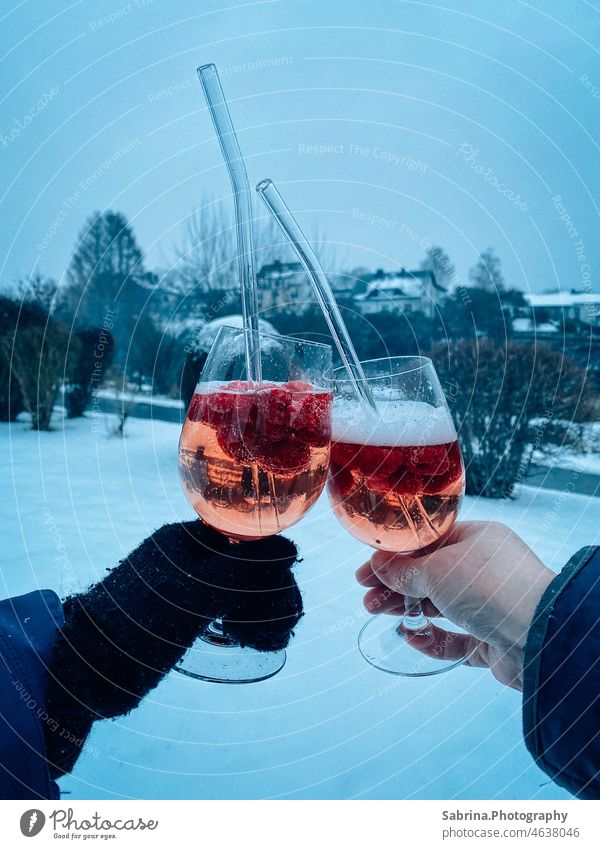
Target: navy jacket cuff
[561, 697]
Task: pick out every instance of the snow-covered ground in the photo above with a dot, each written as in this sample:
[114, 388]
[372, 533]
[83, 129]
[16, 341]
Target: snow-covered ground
[567, 458]
[586, 459]
[144, 397]
[75, 500]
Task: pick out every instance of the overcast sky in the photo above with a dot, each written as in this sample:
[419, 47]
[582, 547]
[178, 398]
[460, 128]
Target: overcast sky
[387, 125]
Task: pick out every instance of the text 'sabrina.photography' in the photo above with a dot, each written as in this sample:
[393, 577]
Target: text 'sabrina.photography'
[300, 422]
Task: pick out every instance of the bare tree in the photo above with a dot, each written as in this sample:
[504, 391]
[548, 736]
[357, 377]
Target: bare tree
[206, 259]
[486, 273]
[126, 396]
[38, 290]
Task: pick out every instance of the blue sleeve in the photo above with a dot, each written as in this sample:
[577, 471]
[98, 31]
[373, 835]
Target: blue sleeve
[28, 627]
[561, 692]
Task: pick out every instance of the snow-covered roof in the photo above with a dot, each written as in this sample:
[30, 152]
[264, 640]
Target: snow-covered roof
[280, 275]
[393, 287]
[279, 270]
[399, 284]
[562, 299]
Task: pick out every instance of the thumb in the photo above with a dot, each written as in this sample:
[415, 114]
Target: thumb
[402, 574]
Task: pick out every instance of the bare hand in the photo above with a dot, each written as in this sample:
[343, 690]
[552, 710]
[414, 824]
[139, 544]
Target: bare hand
[483, 577]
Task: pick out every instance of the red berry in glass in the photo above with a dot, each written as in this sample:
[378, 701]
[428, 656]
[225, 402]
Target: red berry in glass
[396, 483]
[253, 458]
[398, 498]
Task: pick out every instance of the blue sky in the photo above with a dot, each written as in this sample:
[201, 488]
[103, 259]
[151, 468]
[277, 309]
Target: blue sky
[387, 125]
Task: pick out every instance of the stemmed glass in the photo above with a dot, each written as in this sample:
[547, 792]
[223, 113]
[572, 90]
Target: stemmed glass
[253, 459]
[396, 483]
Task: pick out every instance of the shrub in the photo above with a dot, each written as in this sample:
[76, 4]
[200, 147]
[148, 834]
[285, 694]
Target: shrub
[89, 365]
[495, 391]
[37, 356]
[11, 397]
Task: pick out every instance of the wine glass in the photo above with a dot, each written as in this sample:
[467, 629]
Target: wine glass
[396, 483]
[253, 459]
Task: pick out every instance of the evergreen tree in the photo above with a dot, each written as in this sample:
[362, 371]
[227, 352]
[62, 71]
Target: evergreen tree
[107, 282]
[438, 261]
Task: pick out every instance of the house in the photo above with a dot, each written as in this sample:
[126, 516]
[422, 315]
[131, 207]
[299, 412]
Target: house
[283, 284]
[559, 306]
[400, 292]
[346, 285]
[567, 322]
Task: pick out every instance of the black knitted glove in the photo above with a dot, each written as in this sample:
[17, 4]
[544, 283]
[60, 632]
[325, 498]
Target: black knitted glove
[123, 635]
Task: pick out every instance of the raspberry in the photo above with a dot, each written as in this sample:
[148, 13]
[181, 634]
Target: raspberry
[254, 424]
[344, 454]
[218, 407]
[429, 459]
[341, 480]
[380, 483]
[373, 460]
[312, 423]
[236, 449]
[196, 411]
[436, 484]
[407, 484]
[274, 410]
[286, 457]
[244, 412]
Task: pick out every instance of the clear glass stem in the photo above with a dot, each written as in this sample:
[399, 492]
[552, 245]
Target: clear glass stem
[414, 620]
[216, 636]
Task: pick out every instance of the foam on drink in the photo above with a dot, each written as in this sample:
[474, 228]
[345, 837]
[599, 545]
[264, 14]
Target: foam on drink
[396, 482]
[407, 423]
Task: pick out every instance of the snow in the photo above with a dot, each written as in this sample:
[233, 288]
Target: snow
[562, 299]
[586, 459]
[394, 287]
[140, 398]
[75, 501]
[523, 325]
[567, 458]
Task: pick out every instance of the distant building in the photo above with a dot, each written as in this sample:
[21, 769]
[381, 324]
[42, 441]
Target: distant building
[344, 286]
[567, 322]
[400, 292]
[283, 284]
[560, 306]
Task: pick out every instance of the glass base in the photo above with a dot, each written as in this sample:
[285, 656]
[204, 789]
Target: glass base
[383, 643]
[219, 658]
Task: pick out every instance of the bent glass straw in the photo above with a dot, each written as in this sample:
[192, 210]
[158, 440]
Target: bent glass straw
[287, 223]
[219, 112]
[289, 226]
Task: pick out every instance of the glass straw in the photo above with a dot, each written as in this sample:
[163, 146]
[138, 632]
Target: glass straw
[289, 226]
[213, 92]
